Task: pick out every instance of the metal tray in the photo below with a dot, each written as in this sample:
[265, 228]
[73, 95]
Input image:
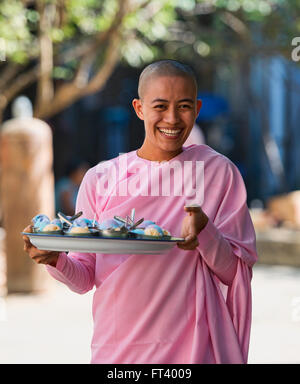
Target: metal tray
[95, 244]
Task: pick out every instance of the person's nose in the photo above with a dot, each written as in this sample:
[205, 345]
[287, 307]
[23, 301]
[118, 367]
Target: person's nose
[171, 116]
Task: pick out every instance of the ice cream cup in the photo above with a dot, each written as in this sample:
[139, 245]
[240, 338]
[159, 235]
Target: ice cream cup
[53, 230]
[58, 232]
[112, 233]
[142, 236]
[91, 232]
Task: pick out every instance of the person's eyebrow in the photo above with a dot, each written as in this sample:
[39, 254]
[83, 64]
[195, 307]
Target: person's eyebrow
[166, 101]
[159, 100]
[186, 100]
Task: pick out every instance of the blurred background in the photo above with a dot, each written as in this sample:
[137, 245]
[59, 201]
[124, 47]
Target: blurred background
[68, 73]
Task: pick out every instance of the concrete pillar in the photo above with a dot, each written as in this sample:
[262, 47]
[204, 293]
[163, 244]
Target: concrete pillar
[3, 285]
[26, 189]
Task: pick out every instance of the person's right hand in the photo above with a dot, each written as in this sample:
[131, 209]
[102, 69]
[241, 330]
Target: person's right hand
[40, 257]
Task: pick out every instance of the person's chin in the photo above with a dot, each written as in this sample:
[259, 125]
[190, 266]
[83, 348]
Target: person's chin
[171, 147]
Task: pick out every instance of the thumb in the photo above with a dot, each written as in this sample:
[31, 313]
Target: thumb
[195, 208]
[27, 243]
[28, 229]
[190, 237]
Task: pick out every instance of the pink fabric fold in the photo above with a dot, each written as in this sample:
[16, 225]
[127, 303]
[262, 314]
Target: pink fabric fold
[177, 307]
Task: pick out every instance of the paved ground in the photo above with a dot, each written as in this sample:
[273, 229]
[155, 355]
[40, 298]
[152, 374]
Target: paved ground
[56, 327]
[275, 336]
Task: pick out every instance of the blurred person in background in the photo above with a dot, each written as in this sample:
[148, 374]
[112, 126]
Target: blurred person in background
[66, 188]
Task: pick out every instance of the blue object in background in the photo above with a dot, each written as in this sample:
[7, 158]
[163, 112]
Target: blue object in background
[116, 120]
[273, 165]
[213, 106]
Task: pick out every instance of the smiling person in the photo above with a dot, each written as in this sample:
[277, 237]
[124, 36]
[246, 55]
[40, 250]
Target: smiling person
[168, 106]
[193, 303]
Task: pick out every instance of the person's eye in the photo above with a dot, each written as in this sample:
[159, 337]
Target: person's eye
[185, 106]
[159, 106]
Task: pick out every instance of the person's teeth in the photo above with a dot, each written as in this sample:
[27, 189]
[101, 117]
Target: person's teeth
[172, 132]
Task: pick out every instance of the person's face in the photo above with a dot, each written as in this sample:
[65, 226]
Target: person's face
[169, 108]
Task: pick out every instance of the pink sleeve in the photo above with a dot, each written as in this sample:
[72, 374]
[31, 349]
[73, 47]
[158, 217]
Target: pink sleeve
[231, 235]
[77, 270]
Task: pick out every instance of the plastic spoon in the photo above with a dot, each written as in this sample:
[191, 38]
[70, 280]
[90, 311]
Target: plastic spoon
[64, 218]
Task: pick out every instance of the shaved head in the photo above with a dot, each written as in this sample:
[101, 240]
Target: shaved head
[164, 68]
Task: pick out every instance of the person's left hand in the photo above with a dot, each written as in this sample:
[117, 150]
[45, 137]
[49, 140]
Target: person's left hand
[192, 225]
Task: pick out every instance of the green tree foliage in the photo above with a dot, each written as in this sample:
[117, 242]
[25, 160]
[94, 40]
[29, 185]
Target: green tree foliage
[69, 48]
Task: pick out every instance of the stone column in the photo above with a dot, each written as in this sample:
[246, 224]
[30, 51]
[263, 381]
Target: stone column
[3, 285]
[26, 189]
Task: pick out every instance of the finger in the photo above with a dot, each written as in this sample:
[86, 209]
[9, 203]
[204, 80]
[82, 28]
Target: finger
[26, 240]
[27, 244]
[189, 247]
[52, 260]
[37, 259]
[42, 259]
[46, 259]
[191, 242]
[189, 238]
[35, 252]
[28, 229]
[27, 247]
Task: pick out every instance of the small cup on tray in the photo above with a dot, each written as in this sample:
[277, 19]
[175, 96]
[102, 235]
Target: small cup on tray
[120, 232]
[81, 231]
[44, 226]
[151, 232]
[111, 228]
[81, 227]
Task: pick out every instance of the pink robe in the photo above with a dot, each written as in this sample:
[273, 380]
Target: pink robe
[176, 307]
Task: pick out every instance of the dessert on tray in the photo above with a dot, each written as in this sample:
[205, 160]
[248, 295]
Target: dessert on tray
[42, 224]
[154, 230]
[117, 227]
[82, 227]
[115, 235]
[148, 229]
[110, 224]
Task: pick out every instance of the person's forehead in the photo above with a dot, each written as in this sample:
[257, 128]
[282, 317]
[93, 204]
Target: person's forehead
[160, 87]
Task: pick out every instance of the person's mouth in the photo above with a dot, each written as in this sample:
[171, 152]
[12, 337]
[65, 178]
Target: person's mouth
[170, 133]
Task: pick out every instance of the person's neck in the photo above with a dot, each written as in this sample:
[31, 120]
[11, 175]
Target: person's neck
[156, 154]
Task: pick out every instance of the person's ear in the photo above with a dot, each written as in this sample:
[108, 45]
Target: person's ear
[137, 105]
[199, 105]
